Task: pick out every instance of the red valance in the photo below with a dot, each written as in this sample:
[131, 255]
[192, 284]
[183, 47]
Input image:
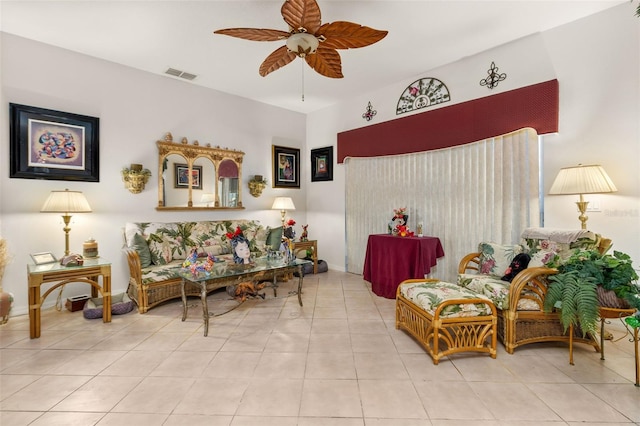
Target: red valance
[533, 106]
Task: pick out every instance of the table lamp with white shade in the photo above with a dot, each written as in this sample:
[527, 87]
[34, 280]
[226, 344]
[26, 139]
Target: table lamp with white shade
[66, 202]
[581, 180]
[283, 204]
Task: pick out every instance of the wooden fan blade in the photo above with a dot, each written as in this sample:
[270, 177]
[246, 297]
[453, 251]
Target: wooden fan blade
[347, 35]
[326, 62]
[279, 58]
[255, 34]
[302, 14]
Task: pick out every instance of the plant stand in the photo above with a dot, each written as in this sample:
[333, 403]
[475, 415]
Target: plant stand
[610, 313]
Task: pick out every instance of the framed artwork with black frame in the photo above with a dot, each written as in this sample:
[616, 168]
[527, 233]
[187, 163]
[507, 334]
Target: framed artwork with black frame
[54, 145]
[286, 167]
[322, 164]
[182, 176]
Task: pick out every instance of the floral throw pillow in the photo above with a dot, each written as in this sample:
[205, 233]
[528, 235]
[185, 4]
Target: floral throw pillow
[495, 258]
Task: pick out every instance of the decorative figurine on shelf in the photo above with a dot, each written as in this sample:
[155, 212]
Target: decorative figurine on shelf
[305, 234]
[240, 247]
[288, 229]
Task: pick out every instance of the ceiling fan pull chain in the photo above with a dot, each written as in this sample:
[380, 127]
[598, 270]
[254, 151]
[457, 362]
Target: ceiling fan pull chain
[302, 63]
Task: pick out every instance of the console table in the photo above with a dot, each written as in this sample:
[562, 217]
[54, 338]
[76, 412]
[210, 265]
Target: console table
[390, 260]
[224, 274]
[52, 272]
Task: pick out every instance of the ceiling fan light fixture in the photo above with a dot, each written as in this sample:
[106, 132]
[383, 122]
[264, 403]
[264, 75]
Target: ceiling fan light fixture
[302, 44]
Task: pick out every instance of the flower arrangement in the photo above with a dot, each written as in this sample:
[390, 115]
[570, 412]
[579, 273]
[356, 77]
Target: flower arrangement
[400, 212]
[402, 231]
[288, 229]
[232, 235]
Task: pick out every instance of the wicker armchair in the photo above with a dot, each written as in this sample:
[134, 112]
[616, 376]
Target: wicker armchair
[521, 318]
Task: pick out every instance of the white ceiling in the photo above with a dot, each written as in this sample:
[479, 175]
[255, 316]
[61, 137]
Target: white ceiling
[155, 35]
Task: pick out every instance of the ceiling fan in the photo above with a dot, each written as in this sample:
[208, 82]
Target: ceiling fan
[307, 38]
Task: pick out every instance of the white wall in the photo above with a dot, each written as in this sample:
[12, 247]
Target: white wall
[135, 109]
[596, 61]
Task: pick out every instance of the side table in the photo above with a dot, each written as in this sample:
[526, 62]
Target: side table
[309, 244]
[54, 272]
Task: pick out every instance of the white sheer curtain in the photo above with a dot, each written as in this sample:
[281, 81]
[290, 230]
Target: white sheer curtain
[482, 191]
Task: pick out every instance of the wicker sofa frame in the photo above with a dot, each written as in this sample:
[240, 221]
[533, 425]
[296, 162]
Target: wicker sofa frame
[521, 327]
[448, 335]
[148, 295]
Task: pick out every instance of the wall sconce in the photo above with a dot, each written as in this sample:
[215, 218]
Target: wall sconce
[135, 178]
[256, 185]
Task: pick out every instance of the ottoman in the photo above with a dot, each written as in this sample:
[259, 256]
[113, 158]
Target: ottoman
[446, 318]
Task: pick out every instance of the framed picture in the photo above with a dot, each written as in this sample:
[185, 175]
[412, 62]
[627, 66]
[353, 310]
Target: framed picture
[322, 164]
[42, 258]
[48, 144]
[182, 176]
[286, 167]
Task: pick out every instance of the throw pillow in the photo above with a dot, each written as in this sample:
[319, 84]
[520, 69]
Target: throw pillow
[141, 246]
[274, 238]
[495, 258]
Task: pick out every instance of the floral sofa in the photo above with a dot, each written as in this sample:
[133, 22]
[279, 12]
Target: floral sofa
[521, 317]
[155, 250]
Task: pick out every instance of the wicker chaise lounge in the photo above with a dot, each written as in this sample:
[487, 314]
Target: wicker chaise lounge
[445, 318]
[521, 317]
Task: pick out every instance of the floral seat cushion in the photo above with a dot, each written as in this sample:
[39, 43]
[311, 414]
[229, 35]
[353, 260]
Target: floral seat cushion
[430, 295]
[497, 291]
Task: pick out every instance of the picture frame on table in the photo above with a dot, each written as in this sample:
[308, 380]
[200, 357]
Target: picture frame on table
[286, 167]
[53, 145]
[322, 164]
[43, 258]
[181, 172]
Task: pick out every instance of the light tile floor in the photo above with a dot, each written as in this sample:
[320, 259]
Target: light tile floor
[336, 361]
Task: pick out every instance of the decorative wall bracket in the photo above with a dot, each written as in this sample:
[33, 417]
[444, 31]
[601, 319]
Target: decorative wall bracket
[135, 178]
[257, 185]
[493, 78]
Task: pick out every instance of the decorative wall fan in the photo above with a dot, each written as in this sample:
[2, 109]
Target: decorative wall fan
[307, 38]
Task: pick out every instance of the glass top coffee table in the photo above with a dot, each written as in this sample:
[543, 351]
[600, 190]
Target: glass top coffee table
[224, 274]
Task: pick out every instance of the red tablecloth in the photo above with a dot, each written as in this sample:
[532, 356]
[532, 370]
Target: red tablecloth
[391, 260]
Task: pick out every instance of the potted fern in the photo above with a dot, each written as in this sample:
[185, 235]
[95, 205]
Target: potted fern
[585, 275]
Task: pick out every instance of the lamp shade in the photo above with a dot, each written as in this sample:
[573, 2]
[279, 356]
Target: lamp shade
[283, 203]
[207, 197]
[66, 202]
[582, 180]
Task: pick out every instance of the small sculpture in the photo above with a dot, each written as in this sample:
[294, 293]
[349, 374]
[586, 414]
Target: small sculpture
[240, 246]
[305, 234]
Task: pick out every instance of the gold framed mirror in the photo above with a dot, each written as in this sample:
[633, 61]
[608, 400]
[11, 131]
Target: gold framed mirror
[194, 177]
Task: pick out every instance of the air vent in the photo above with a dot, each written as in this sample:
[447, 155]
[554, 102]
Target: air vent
[182, 74]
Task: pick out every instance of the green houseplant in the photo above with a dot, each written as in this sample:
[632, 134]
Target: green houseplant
[574, 288]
